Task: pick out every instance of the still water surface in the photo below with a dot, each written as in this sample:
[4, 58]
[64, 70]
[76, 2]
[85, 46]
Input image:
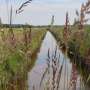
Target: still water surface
[70, 79]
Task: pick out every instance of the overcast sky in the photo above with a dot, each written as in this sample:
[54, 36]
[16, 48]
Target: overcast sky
[39, 12]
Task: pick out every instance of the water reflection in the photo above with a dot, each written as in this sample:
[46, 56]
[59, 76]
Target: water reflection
[70, 79]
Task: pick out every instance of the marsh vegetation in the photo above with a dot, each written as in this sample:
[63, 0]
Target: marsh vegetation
[47, 57]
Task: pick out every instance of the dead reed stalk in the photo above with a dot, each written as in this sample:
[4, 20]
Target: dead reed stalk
[66, 32]
[55, 71]
[11, 33]
[85, 10]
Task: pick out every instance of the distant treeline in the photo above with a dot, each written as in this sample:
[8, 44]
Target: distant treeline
[15, 25]
[28, 26]
[23, 25]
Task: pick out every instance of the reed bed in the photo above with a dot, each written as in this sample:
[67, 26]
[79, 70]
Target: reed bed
[78, 42]
[16, 60]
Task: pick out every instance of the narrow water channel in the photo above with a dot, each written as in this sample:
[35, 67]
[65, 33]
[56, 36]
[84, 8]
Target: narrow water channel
[70, 79]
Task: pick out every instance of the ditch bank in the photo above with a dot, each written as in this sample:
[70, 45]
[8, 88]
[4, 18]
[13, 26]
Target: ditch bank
[49, 55]
[18, 64]
[82, 62]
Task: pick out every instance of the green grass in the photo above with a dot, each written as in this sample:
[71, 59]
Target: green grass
[15, 61]
[78, 44]
[58, 33]
[82, 40]
[84, 43]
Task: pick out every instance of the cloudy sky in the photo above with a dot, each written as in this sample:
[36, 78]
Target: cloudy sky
[39, 12]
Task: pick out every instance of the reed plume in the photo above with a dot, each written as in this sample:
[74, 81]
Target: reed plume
[85, 10]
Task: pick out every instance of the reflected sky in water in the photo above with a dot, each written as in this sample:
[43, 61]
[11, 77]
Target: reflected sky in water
[34, 76]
